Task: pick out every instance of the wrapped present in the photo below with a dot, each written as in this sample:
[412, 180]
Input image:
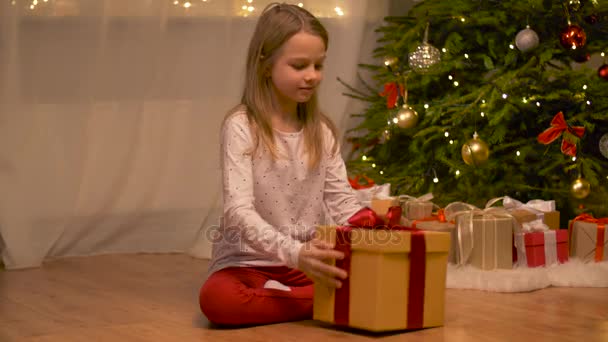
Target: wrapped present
[382, 204]
[537, 245]
[438, 223]
[366, 192]
[415, 208]
[396, 278]
[588, 238]
[530, 211]
[485, 237]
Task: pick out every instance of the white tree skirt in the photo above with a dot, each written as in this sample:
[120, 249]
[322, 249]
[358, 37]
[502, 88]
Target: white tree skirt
[574, 273]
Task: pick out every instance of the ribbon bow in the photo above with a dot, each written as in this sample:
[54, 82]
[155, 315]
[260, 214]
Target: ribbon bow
[391, 92]
[354, 182]
[558, 126]
[367, 218]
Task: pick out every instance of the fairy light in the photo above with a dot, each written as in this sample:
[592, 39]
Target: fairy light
[584, 86]
[435, 180]
[588, 102]
[466, 55]
[483, 114]
[462, 19]
[244, 8]
[300, 4]
[381, 172]
[457, 172]
[511, 46]
[447, 134]
[426, 106]
[187, 4]
[602, 54]
[444, 50]
[504, 96]
[518, 153]
[451, 142]
[395, 120]
[373, 165]
[450, 77]
[573, 47]
[250, 8]
[524, 100]
[537, 104]
[176, 2]
[573, 159]
[339, 11]
[456, 84]
[249, 1]
[364, 158]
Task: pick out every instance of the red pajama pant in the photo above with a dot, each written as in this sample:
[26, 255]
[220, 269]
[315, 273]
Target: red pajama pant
[236, 296]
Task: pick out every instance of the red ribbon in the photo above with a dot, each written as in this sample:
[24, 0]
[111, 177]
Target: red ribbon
[368, 219]
[391, 92]
[558, 126]
[600, 234]
[354, 182]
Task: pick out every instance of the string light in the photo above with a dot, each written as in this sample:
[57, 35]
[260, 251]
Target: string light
[373, 165]
[524, 100]
[450, 77]
[483, 101]
[588, 102]
[435, 180]
[447, 134]
[444, 50]
[518, 153]
[250, 8]
[456, 84]
[451, 142]
[339, 11]
[381, 172]
[457, 173]
[426, 106]
[504, 96]
[395, 120]
[573, 158]
[466, 55]
[364, 158]
[585, 87]
[483, 114]
[187, 4]
[176, 2]
[602, 54]
[462, 19]
[300, 4]
[511, 46]
[537, 104]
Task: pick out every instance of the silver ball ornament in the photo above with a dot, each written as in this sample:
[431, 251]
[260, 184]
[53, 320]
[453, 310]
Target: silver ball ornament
[526, 39]
[604, 145]
[424, 59]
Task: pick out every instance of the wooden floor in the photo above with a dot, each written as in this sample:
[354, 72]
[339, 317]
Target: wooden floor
[154, 298]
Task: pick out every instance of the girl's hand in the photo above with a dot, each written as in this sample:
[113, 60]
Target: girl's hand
[311, 261]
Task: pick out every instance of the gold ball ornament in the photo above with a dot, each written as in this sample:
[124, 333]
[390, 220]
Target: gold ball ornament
[580, 188]
[475, 151]
[406, 117]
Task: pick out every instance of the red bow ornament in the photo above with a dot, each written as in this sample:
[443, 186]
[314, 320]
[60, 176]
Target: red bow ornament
[558, 126]
[391, 92]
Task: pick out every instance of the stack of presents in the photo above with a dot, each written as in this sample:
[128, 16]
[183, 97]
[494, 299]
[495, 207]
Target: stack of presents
[396, 254]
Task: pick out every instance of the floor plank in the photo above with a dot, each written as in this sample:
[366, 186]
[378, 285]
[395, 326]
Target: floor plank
[154, 298]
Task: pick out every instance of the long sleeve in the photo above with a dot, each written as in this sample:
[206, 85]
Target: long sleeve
[339, 196]
[240, 214]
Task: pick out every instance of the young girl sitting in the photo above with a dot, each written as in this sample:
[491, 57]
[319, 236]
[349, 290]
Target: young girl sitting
[282, 171]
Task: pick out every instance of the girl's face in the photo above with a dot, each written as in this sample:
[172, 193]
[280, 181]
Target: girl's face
[297, 70]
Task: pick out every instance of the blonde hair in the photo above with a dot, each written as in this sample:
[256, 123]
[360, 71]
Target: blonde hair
[276, 25]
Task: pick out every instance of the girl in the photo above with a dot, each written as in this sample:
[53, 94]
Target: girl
[281, 169]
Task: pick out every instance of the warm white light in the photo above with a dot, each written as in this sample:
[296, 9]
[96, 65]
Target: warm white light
[537, 104]
[585, 86]
[462, 19]
[176, 2]
[456, 83]
[483, 101]
[35, 2]
[450, 77]
[511, 46]
[388, 122]
[339, 11]
[573, 158]
[504, 96]
[457, 172]
[381, 172]
[524, 100]
[249, 1]
[444, 50]
[244, 8]
[395, 120]
[466, 55]
[364, 158]
[32, 7]
[483, 114]
[447, 134]
[373, 165]
[518, 153]
[573, 47]
[602, 54]
[250, 8]
[589, 103]
[435, 180]
[426, 106]
[451, 142]
[300, 4]
[187, 4]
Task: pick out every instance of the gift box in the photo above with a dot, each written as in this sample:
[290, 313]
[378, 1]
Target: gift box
[382, 205]
[530, 211]
[446, 227]
[492, 241]
[396, 279]
[539, 248]
[416, 208]
[588, 238]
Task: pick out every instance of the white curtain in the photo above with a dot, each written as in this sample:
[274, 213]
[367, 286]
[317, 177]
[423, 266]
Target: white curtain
[110, 112]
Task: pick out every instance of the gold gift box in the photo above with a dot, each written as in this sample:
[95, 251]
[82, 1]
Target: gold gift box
[379, 279]
[446, 227]
[381, 206]
[550, 218]
[583, 241]
[492, 242]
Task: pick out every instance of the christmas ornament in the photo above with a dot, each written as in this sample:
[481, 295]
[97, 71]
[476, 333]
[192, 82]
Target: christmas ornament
[573, 37]
[391, 92]
[475, 151]
[407, 117]
[558, 126]
[603, 71]
[604, 145]
[426, 57]
[574, 5]
[580, 188]
[526, 39]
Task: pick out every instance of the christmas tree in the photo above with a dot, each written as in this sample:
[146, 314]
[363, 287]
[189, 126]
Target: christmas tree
[528, 79]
